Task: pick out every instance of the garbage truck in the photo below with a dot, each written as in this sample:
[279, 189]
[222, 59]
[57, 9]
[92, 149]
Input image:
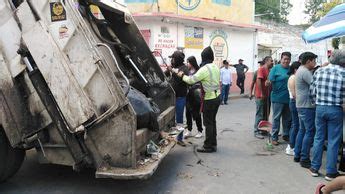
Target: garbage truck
[80, 86]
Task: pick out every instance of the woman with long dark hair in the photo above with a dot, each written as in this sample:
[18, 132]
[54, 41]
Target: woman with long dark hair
[193, 101]
[292, 105]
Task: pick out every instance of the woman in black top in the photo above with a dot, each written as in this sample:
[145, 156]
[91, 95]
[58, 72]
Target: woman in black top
[193, 100]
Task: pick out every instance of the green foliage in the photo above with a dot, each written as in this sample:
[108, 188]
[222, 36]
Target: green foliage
[273, 9]
[312, 7]
[319, 8]
[335, 43]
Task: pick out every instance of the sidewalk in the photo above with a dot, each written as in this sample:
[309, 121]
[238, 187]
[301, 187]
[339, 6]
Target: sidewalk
[237, 95]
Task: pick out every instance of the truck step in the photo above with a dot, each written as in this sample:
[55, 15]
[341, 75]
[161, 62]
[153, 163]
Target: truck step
[143, 171]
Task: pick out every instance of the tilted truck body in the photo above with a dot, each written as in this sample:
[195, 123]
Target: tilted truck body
[79, 84]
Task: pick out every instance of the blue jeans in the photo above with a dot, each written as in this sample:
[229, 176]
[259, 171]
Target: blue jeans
[225, 93]
[328, 118]
[280, 110]
[305, 133]
[179, 109]
[294, 123]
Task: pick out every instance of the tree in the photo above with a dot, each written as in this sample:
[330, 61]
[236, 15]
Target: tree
[312, 7]
[317, 9]
[276, 10]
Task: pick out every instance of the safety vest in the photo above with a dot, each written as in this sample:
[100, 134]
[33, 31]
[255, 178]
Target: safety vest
[209, 76]
[211, 85]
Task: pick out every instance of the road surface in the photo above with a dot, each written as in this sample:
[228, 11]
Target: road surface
[241, 165]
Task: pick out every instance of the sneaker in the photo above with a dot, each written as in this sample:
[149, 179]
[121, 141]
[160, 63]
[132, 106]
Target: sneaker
[198, 135]
[187, 133]
[258, 135]
[289, 151]
[180, 128]
[275, 143]
[330, 177]
[313, 172]
[305, 163]
[318, 188]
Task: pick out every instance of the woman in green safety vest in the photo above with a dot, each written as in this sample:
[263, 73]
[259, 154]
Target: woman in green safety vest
[209, 76]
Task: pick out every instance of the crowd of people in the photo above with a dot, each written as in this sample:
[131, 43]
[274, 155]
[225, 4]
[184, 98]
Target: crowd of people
[198, 88]
[307, 98]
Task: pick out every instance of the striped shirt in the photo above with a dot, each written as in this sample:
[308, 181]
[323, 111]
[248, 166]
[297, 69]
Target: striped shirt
[328, 86]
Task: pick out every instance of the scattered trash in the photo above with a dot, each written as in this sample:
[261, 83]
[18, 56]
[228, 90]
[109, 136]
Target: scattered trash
[184, 175]
[215, 174]
[197, 156]
[152, 148]
[199, 162]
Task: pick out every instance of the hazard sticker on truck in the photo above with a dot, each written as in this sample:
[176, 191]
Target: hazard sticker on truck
[57, 12]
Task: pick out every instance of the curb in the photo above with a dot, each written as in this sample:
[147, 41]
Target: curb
[239, 96]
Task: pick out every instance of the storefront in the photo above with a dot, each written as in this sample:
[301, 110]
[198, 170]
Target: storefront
[175, 25]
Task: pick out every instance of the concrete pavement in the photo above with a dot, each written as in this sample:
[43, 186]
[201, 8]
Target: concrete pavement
[241, 165]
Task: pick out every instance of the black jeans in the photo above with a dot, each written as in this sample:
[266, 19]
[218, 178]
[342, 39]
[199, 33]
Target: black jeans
[193, 115]
[240, 83]
[209, 116]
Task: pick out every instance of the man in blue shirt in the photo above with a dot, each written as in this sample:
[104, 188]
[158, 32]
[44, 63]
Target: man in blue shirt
[280, 97]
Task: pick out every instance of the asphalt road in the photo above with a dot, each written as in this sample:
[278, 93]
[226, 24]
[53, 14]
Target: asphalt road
[241, 165]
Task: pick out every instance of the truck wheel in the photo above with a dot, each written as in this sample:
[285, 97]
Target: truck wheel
[10, 158]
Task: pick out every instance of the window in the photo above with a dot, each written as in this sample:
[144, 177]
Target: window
[223, 2]
[164, 30]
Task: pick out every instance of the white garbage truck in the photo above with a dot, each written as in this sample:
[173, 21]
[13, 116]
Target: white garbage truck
[79, 85]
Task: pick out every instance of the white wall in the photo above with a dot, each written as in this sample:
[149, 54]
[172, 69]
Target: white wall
[240, 43]
[290, 39]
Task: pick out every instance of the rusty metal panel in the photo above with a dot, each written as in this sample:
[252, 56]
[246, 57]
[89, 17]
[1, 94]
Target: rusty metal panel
[54, 68]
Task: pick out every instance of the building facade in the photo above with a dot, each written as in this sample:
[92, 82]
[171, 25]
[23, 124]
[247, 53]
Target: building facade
[191, 25]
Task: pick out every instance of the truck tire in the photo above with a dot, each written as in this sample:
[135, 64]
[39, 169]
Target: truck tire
[10, 158]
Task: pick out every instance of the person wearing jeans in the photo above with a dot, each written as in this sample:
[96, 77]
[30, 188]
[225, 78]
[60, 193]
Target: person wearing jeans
[180, 88]
[225, 81]
[179, 109]
[278, 78]
[293, 110]
[280, 110]
[305, 109]
[328, 91]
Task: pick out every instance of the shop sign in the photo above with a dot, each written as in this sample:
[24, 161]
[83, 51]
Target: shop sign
[165, 41]
[219, 45]
[194, 37]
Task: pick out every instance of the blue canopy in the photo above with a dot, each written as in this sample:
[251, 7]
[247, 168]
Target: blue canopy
[331, 25]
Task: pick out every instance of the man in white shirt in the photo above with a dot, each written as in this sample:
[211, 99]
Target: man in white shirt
[225, 81]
